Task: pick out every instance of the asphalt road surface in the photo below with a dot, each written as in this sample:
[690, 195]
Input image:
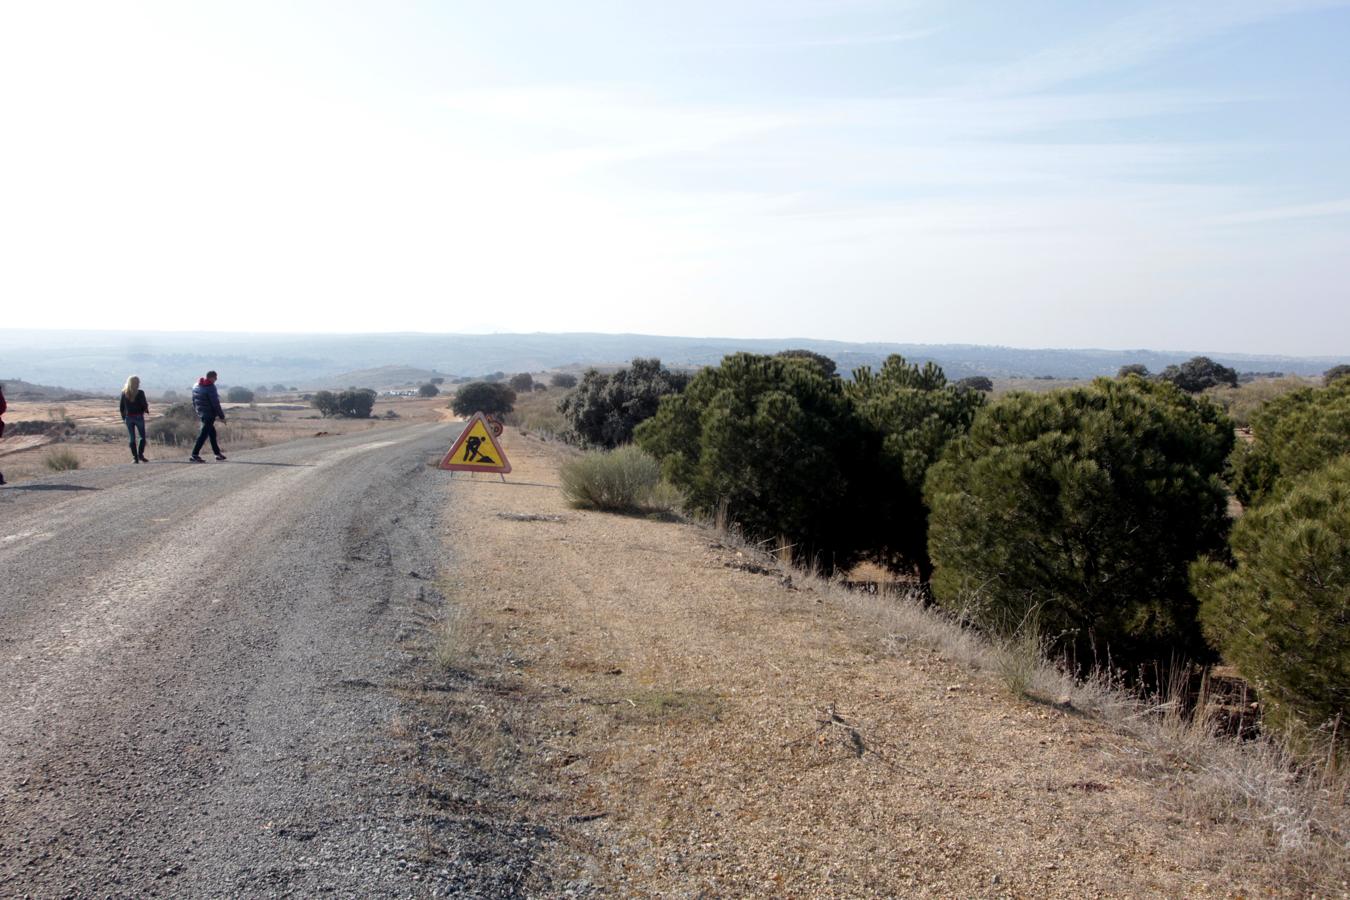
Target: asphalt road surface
[195, 664]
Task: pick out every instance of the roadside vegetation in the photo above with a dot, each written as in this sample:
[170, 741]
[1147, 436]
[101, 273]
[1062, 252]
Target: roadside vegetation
[62, 460]
[1078, 542]
[624, 480]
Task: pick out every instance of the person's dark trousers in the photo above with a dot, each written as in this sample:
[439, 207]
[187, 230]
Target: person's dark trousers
[136, 424]
[208, 431]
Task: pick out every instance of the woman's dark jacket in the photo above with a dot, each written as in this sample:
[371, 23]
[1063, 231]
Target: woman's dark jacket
[138, 407]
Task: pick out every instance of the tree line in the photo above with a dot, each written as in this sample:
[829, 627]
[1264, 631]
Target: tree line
[1097, 514]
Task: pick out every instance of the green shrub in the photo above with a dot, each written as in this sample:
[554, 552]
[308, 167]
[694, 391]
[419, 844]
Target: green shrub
[774, 442]
[521, 383]
[1298, 432]
[604, 409]
[62, 460]
[913, 414]
[488, 397]
[239, 395]
[1242, 402]
[1282, 613]
[622, 480]
[428, 390]
[1083, 508]
[1133, 369]
[563, 380]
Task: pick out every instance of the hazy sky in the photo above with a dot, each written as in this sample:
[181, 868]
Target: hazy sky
[1158, 174]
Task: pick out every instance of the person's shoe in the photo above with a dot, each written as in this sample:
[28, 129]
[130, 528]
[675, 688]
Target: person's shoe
[143, 459]
[2, 479]
[195, 458]
[220, 457]
[136, 459]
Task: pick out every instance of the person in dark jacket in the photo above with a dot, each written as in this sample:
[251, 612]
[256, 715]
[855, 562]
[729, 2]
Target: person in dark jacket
[206, 403]
[133, 408]
[3, 407]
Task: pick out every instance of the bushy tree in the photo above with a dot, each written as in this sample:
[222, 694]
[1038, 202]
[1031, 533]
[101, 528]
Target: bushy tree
[437, 380]
[353, 403]
[325, 402]
[1082, 508]
[1281, 614]
[1297, 432]
[982, 383]
[522, 382]
[774, 442]
[913, 413]
[1199, 373]
[279, 388]
[827, 366]
[1133, 369]
[563, 380]
[239, 394]
[604, 409]
[1333, 373]
[489, 397]
[428, 390]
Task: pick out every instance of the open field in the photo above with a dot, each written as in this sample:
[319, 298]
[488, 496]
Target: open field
[99, 438]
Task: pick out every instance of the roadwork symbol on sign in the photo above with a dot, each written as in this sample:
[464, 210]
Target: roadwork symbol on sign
[476, 450]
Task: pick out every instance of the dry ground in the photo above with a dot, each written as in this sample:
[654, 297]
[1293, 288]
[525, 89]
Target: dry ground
[700, 730]
[101, 440]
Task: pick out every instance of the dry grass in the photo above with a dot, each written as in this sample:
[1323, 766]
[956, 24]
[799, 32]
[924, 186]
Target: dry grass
[706, 721]
[62, 459]
[537, 413]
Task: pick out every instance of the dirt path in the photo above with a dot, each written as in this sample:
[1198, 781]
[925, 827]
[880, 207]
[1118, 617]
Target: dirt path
[703, 730]
[203, 671]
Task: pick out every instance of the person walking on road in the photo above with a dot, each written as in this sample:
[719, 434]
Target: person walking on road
[206, 403]
[3, 407]
[133, 407]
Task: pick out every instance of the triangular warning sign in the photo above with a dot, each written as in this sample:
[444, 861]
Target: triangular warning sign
[476, 450]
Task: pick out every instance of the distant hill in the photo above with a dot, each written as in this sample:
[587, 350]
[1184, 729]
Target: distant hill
[100, 361]
[381, 378]
[17, 389]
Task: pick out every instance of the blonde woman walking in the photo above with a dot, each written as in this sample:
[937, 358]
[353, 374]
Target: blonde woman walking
[134, 407]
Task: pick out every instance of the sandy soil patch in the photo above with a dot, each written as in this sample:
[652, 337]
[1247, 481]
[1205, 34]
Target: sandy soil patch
[698, 729]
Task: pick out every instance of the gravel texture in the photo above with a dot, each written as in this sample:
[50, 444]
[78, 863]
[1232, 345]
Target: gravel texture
[205, 670]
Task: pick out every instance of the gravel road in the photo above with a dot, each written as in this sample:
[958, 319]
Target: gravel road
[199, 668]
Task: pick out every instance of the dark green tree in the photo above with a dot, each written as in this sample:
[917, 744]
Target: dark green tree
[355, 403]
[326, 402]
[428, 390]
[1199, 373]
[604, 409]
[1082, 508]
[1333, 373]
[1291, 434]
[563, 380]
[1281, 614]
[827, 366]
[773, 443]
[913, 413]
[239, 394]
[522, 382]
[982, 383]
[491, 398]
[1133, 369]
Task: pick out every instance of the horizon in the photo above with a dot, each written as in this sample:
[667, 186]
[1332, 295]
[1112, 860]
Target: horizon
[228, 335]
[1034, 175]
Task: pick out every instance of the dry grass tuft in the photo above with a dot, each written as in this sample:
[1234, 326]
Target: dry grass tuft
[62, 460]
